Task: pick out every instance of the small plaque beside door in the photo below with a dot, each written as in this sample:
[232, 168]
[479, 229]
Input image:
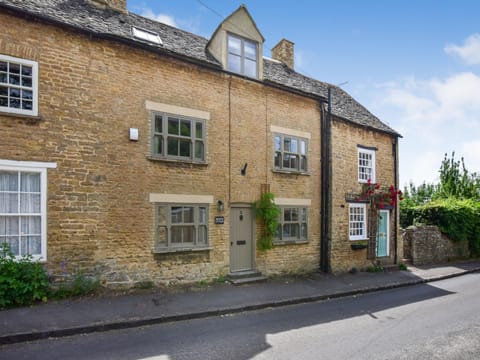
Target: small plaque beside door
[219, 220]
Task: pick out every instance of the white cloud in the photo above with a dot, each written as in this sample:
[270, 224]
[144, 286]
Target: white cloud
[435, 116]
[163, 18]
[468, 52]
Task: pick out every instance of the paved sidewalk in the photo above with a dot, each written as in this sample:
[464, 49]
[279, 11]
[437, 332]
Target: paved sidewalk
[88, 315]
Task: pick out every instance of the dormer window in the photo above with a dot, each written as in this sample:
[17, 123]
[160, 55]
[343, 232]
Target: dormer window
[242, 56]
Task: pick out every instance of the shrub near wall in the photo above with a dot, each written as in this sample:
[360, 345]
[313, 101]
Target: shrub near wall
[458, 219]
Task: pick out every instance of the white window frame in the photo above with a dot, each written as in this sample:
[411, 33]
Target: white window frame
[282, 152]
[146, 35]
[363, 222]
[41, 168]
[362, 176]
[242, 55]
[33, 88]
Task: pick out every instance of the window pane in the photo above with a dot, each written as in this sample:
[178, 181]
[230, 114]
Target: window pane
[199, 150]
[26, 70]
[14, 103]
[31, 225]
[26, 81]
[14, 79]
[158, 145]
[14, 68]
[172, 146]
[176, 214]
[202, 235]
[185, 128]
[303, 163]
[176, 235]
[304, 234]
[3, 101]
[27, 105]
[8, 203]
[304, 214]
[173, 126]
[3, 78]
[303, 147]
[3, 66]
[286, 144]
[294, 145]
[31, 245]
[234, 63]
[278, 159]
[14, 92]
[8, 181]
[202, 218]
[294, 214]
[30, 203]
[277, 143]
[250, 68]
[250, 49]
[3, 91]
[234, 45]
[199, 130]
[287, 214]
[158, 124]
[188, 215]
[14, 244]
[185, 148]
[30, 182]
[27, 94]
[8, 225]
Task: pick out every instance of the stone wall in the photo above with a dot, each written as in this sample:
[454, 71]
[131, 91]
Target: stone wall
[427, 245]
[99, 217]
[345, 140]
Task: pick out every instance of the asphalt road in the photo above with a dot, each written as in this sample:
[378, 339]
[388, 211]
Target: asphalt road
[439, 320]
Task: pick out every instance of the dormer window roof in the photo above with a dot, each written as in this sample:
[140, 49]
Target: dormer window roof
[238, 44]
[242, 56]
[146, 35]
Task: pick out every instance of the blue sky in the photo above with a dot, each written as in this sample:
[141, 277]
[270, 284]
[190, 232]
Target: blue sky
[414, 64]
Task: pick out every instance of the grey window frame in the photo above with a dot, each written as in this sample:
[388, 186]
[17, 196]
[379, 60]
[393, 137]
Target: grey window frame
[279, 238]
[20, 87]
[242, 55]
[164, 136]
[168, 245]
[282, 153]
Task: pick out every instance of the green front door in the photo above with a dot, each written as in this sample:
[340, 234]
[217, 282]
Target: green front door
[382, 233]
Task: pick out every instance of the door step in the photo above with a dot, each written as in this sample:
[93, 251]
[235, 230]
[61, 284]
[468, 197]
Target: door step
[245, 277]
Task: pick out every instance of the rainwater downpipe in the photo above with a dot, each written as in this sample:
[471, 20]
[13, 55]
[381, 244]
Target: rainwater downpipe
[395, 170]
[325, 185]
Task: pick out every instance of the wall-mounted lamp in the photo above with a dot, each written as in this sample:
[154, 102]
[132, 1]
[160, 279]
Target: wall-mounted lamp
[220, 206]
[243, 171]
[133, 135]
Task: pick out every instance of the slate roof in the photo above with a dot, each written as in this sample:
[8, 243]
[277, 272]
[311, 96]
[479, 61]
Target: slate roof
[115, 25]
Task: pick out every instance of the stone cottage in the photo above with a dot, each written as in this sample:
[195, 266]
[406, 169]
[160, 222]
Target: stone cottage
[133, 150]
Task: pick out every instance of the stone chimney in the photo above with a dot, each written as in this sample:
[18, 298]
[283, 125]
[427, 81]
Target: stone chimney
[118, 5]
[283, 52]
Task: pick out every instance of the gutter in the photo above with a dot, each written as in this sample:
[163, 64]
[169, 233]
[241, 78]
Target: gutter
[395, 174]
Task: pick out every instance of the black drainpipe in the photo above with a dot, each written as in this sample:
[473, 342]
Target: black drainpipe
[395, 171]
[325, 185]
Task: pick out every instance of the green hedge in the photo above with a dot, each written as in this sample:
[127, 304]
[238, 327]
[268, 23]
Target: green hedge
[458, 219]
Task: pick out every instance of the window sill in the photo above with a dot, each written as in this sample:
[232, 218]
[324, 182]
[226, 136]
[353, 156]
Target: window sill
[289, 242]
[278, 171]
[175, 161]
[180, 250]
[21, 116]
[362, 239]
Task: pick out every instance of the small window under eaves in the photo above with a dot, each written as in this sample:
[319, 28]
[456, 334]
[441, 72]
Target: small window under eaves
[146, 35]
